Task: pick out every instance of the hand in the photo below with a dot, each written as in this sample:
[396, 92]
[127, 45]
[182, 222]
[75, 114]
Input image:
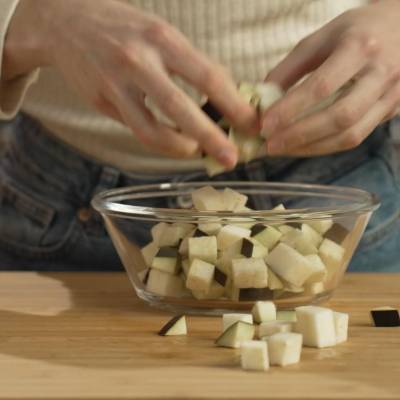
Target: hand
[114, 55]
[360, 45]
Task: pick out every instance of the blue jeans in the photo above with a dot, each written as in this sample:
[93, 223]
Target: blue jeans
[46, 222]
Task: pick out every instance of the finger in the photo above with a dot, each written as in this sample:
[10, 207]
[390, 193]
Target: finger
[214, 81]
[341, 66]
[355, 135]
[107, 108]
[341, 115]
[306, 56]
[180, 108]
[152, 134]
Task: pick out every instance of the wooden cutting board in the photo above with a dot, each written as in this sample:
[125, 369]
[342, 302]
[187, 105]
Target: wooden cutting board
[87, 336]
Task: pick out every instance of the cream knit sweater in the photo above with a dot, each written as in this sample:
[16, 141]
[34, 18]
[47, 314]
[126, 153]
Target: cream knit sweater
[247, 36]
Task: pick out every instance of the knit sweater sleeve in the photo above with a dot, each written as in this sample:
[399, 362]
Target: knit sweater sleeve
[12, 92]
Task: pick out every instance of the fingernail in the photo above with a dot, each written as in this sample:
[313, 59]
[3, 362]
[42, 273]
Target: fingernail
[275, 147]
[227, 157]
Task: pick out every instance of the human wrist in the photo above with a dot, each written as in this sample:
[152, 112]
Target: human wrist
[27, 40]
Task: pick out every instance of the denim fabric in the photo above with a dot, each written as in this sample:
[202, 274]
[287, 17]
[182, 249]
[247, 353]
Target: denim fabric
[46, 222]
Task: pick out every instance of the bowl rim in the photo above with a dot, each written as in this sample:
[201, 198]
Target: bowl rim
[108, 202]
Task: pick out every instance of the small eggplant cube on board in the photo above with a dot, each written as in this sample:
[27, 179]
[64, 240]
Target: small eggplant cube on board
[322, 225]
[317, 325]
[167, 260]
[233, 200]
[174, 327]
[200, 276]
[289, 264]
[254, 355]
[230, 234]
[203, 248]
[341, 326]
[268, 236]
[230, 319]
[319, 270]
[385, 317]
[208, 199]
[332, 255]
[253, 249]
[148, 252]
[249, 273]
[286, 316]
[264, 311]
[236, 334]
[269, 328]
[165, 284]
[285, 348]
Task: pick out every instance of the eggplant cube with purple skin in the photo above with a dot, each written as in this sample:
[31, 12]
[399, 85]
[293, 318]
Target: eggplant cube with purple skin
[249, 273]
[200, 276]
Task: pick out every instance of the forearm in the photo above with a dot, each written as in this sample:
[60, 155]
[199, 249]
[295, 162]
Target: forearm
[26, 41]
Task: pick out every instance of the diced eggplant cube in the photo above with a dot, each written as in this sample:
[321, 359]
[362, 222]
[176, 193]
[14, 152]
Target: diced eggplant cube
[332, 255]
[233, 200]
[249, 273]
[200, 275]
[220, 277]
[337, 233]
[212, 166]
[285, 348]
[314, 237]
[385, 317]
[299, 241]
[215, 291]
[175, 327]
[167, 260]
[208, 199]
[203, 248]
[274, 283]
[231, 319]
[253, 249]
[230, 234]
[148, 252]
[211, 112]
[289, 264]
[199, 233]
[341, 326]
[318, 267]
[317, 325]
[264, 311]
[268, 236]
[210, 228]
[269, 328]
[286, 316]
[254, 355]
[314, 288]
[237, 333]
[269, 93]
[321, 225]
[165, 284]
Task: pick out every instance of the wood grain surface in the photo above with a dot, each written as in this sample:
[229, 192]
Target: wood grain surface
[87, 336]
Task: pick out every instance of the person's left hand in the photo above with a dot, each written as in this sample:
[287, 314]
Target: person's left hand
[362, 45]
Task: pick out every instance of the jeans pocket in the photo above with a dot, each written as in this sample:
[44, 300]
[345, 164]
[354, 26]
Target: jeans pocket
[26, 223]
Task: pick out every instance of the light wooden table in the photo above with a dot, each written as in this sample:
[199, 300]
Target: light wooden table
[86, 336]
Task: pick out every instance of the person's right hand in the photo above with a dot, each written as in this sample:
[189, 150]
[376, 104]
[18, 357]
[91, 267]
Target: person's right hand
[114, 55]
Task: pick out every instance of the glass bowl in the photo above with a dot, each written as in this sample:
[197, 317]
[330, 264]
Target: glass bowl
[319, 223]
